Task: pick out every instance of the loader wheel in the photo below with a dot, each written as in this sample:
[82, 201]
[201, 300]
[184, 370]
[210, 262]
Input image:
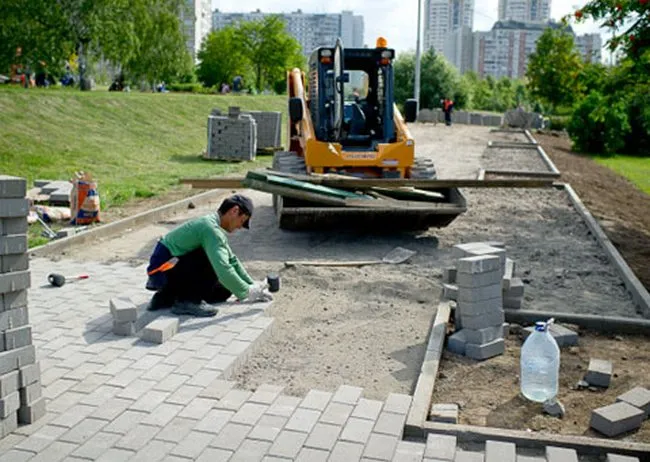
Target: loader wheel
[423, 169]
[287, 162]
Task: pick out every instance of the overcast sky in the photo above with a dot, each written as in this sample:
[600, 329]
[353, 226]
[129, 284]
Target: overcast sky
[394, 19]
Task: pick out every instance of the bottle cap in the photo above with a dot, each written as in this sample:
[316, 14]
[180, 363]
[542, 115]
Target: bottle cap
[540, 326]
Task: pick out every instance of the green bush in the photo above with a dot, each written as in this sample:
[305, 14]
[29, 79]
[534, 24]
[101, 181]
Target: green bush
[559, 123]
[599, 124]
[190, 88]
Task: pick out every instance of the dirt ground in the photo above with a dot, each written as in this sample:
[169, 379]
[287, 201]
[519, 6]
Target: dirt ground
[368, 326]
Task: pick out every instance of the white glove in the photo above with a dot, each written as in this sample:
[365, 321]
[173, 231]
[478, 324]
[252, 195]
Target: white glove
[258, 292]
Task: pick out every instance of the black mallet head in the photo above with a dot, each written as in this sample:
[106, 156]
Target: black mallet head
[57, 280]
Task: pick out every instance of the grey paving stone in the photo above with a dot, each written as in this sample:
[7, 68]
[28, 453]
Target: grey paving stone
[390, 424]
[176, 430]
[83, 431]
[356, 430]
[449, 275]
[12, 282]
[445, 413]
[203, 379]
[482, 336]
[192, 445]
[456, 343]
[287, 444]
[367, 409]
[111, 408]
[268, 428]
[12, 187]
[441, 447]
[251, 451]
[555, 454]
[469, 456]
[450, 292]
[599, 373]
[284, 406]
[619, 458]
[15, 455]
[480, 307]
[478, 294]
[8, 425]
[41, 438]
[249, 413]
[485, 351]
[9, 404]
[380, 447]
[638, 397]
[212, 455]
[231, 436]
[171, 383]
[499, 451]
[563, 336]
[10, 319]
[266, 394]
[15, 359]
[616, 418]
[472, 280]
[17, 338]
[153, 452]
[312, 455]
[409, 451]
[513, 288]
[303, 420]
[160, 330]
[13, 255]
[14, 208]
[347, 394]
[9, 383]
[55, 452]
[125, 422]
[316, 399]
[346, 452]
[73, 416]
[16, 225]
[162, 415]
[398, 403]
[479, 264]
[123, 310]
[197, 409]
[184, 395]
[214, 421]
[493, 318]
[234, 399]
[336, 413]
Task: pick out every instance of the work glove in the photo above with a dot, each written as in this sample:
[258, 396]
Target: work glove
[258, 292]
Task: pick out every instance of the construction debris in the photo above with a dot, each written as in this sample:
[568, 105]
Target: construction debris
[599, 373]
[616, 418]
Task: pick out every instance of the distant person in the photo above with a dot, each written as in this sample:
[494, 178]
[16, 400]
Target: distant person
[225, 88]
[447, 108]
[237, 84]
[193, 265]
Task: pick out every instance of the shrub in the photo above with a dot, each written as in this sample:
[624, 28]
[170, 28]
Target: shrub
[559, 123]
[189, 88]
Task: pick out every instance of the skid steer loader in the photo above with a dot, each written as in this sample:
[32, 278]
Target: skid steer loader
[344, 121]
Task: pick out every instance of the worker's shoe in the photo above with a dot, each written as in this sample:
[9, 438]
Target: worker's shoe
[160, 301]
[201, 310]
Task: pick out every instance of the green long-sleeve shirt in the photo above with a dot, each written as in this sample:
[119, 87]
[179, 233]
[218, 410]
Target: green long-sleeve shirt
[207, 233]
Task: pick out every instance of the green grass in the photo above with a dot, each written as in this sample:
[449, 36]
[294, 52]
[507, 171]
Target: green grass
[636, 169]
[134, 144]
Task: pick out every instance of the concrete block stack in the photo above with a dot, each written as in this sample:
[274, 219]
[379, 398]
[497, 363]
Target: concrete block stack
[475, 118]
[269, 128]
[521, 119]
[20, 377]
[232, 137]
[427, 116]
[128, 318]
[479, 312]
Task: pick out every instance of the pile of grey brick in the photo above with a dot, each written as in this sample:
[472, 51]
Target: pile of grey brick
[479, 316]
[129, 319]
[460, 117]
[54, 192]
[626, 414]
[518, 118]
[269, 128]
[20, 376]
[232, 137]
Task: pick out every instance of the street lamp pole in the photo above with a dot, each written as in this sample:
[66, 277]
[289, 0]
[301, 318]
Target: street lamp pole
[416, 93]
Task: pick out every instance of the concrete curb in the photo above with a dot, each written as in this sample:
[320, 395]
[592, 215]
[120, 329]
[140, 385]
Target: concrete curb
[419, 411]
[639, 293]
[530, 136]
[511, 145]
[582, 444]
[604, 324]
[111, 229]
[547, 160]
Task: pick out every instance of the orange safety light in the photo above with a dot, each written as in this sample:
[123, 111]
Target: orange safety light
[325, 60]
[382, 42]
[384, 61]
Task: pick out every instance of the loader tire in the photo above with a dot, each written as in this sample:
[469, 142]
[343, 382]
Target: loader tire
[423, 169]
[287, 162]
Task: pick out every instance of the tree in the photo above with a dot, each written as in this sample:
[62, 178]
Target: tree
[269, 49]
[553, 69]
[220, 58]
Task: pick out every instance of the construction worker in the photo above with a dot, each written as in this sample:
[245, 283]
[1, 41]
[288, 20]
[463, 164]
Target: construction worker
[447, 107]
[193, 266]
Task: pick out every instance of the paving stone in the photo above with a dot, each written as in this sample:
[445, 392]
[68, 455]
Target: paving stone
[249, 413]
[344, 452]
[485, 335]
[125, 422]
[9, 320]
[324, 436]
[409, 451]
[28, 375]
[160, 330]
[287, 444]
[599, 373]
[616, 418]
[13, 309]
[479, 264]
[162, 415]
[619, 458]
[450, 292]
[513, 288]
[475, 280]
[357, 430]
[638, 397]
[390, 424]
[176, 430]
[312, 455]
[9, 404]
[12, 282]
[442, 447]
[449, 275]
[41, 438]
[486, 350]
[13, 256]
[55, 451]
[316, 399]
[336, 413]
[555, 454]
[563, 336]
[284, 406]
[347, 394]
[268, 428]
[494, 318]
[468, 456]
[478, 294]
[9, 383]
[381, 447]
[444, 413]
[398, 403]
[480, 307]
[212, 455]
[500, 451]
[197, 409]
[193, 445]
[303, 420]
[14, 208]
[367, 409]
[137, 438]
[13, 226]
[457, 342]
[123, 310]
[12, 187]
[234, 400]
[8, 425]
[184, 395]
[83, 431]
[231, 436]
[125, 329]
[266, 394]
[14, 455]
[155, 451]
[30, 393]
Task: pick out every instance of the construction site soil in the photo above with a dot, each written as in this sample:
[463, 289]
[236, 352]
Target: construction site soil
[368, 326]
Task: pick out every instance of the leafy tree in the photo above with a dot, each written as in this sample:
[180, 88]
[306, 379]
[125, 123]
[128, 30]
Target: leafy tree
[553, 69]
[220, 58]
[269, 49]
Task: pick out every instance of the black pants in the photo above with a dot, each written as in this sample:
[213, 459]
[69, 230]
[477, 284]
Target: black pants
[448, 117]
[193, 279]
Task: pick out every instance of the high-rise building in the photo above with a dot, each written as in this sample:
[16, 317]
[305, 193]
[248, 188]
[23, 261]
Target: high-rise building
[590, 47]
[458, 48]
[525, 10]
[310, 30]
[441, 17]
[195, 17]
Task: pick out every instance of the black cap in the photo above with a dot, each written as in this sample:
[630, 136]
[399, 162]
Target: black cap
[244, 203]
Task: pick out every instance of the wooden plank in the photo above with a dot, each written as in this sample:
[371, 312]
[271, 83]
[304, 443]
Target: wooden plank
[332, 263]
[225, 182]
[409, 192]
[524, 173]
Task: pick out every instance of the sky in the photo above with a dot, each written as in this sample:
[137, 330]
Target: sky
[396, 20]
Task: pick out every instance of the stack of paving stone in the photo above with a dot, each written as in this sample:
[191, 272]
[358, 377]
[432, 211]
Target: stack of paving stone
[479, 311]
[54, 192]
[233, 137]
[129, 319]
[269, 128]
[626, 414]
[20, 386]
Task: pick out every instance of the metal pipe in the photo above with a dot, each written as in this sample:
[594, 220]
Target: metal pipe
[416, 93]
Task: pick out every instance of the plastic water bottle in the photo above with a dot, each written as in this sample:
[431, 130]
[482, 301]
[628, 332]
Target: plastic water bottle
[540, 364]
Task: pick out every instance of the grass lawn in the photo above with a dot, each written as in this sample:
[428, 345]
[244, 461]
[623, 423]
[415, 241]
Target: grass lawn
[134, 144]
[634, 168]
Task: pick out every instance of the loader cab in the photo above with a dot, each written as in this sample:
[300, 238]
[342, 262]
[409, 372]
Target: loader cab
[351, 95]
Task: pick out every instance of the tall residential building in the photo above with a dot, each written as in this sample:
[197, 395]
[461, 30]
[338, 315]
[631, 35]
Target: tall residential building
[590, 47]
[459, 47]
[195, 17]
[525, 10]
[441, 17]
[310, 30]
